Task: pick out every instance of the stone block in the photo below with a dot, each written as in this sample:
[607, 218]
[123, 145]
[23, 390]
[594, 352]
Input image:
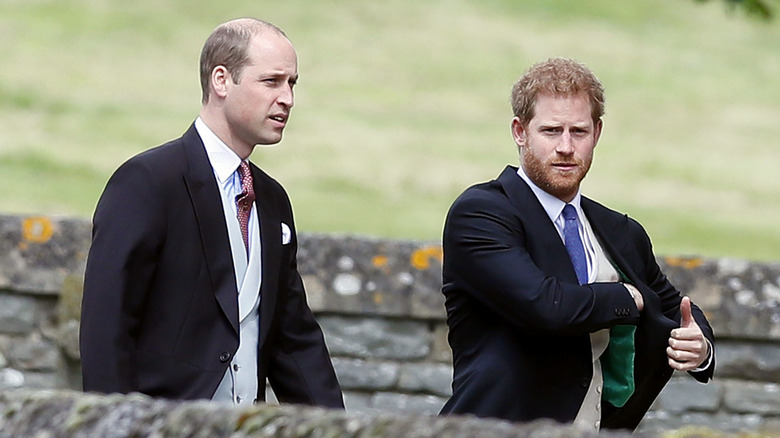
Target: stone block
[430, 378]
[11, 378]
[405, 403]
[740, 298]
[376, 338]
[315, 293]
[749, 361]
[69, 315]
[699, 425]
[441, 351]
[358, 402]
[684, 394]
[36, 252]
[358, 374]
[367, 276]
[33, 353]
[770, 427]
[752, 398]
[45, 380]
[17, 313]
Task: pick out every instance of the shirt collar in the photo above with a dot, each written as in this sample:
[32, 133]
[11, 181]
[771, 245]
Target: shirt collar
[552, 205]
[223, 160]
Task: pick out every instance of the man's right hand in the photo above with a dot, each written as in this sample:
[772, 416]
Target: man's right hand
[634, 292]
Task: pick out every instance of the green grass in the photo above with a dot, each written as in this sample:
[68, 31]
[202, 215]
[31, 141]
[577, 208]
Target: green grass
[401, 105]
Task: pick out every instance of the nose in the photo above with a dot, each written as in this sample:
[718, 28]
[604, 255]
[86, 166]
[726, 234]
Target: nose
[286, 96]
[566, 144]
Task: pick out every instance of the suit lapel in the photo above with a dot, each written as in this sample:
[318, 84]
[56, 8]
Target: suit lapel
[207, 205]
[251, 277]
[271, 242]
[544, 244]
[613, 235]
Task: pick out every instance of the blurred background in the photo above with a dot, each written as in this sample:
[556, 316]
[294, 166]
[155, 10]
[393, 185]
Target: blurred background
[403, 104]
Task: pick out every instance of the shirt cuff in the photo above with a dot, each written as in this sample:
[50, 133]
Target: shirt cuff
[706, 364]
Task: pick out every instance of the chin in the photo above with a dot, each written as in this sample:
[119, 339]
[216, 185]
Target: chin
[269, 141]
[563, 191]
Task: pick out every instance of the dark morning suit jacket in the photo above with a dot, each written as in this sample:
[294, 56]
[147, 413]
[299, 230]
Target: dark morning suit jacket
[519, 321]
[160, 307]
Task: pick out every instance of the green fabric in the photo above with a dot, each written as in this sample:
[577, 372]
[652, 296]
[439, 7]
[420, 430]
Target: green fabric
[617, 365]
[617, 362]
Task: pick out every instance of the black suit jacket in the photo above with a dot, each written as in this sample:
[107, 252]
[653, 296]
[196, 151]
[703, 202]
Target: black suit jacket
[520, 322]
[160, 306]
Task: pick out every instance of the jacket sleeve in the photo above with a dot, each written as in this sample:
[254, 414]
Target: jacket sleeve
[127, 230]
[486, 254]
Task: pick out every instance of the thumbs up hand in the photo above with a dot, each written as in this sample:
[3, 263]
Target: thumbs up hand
[688, 348]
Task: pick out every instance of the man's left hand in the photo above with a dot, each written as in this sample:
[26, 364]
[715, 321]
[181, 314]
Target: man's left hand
[688, 348]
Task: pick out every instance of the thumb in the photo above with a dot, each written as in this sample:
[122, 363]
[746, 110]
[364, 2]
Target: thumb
[685, 310]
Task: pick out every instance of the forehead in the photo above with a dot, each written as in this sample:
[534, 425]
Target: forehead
[272, 51]
[551, 108]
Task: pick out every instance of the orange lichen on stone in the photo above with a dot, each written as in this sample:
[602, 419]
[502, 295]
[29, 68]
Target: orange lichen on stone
[36, 229]
[379, 261]
[683, 262]
[421, 258]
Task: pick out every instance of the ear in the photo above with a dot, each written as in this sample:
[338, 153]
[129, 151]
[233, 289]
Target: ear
[518, 132]
[219, 81]
[597, 132]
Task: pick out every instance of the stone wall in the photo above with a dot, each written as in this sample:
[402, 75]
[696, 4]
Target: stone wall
[382, 312]
[67, 414]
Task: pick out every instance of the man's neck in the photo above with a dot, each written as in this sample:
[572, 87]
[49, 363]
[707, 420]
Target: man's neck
[219, 126]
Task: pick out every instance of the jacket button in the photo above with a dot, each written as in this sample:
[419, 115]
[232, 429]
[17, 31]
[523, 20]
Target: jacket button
[224, 357]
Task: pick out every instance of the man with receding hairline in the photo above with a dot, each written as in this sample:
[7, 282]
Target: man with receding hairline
[191, 288]
[555, 304]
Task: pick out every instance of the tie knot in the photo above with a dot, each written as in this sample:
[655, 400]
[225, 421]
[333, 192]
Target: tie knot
[244, 201]
[569, 212]
[244, 172]
[247, 195]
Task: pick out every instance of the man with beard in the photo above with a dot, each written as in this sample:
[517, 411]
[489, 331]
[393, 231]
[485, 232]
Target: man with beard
[555, 304]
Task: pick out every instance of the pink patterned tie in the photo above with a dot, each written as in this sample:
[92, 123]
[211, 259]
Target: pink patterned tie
[244, 201]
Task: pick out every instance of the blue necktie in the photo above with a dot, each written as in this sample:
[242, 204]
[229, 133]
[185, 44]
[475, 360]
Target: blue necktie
[573, 242]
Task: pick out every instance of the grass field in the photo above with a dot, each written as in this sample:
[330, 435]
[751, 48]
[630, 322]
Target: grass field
[401, 105]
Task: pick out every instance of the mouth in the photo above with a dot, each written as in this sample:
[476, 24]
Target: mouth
[279, 118]
[565, 167]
